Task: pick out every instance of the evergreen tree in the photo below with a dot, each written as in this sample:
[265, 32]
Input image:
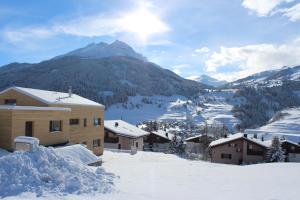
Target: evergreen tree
[275, 153]
[177, 145]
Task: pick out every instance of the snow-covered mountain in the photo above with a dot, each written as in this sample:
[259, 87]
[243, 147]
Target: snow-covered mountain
[269, 78]
[207, 80]
[106, 73]
[104, 50]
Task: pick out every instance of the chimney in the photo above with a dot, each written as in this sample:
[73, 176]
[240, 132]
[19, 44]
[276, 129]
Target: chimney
[245, 135]
[225, 136]
[167, 135]
[116, 124]
[70, 91]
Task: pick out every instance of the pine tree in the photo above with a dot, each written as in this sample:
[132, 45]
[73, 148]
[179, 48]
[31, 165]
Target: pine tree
[275, 153]
[177, 145]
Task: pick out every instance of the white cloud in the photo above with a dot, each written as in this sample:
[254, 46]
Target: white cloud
[177, 71]
[263, 7]
[247, 60]
[142, 24]
[178, 68]
[293, 13]
[202, 50]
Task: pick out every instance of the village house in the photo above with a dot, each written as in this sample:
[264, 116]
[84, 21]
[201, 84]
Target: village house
[198, 144]
[291, 151]
[55, 118]
[158, 141]
[238, 149]
[122, 135]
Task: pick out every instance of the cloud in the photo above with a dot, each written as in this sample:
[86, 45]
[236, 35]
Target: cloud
[202, 50]
[178, 68]
[263, 7]
[293, 13]
[142, 24]
[250, 59]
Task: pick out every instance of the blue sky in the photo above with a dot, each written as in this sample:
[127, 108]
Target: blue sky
[226, 39]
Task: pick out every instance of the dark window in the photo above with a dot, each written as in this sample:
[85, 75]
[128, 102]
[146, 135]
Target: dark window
[137, 145]
[10, 101]
[106, 134]
[97, 143]
[55, 125]
[84, 122]
[97, 121]
[74, 121]
[225, 156]
[29, 128]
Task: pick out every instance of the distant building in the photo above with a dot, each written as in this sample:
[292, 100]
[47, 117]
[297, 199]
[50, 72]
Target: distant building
[55, 118]
[122, 135]
[238, 149]
[291, 151]
[198, 144]
[158, 141]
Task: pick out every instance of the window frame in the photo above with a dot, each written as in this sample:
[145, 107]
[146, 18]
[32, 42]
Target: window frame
[74, 121]
[97, 121]
[52, 129]
[96, 143]
[10, 101]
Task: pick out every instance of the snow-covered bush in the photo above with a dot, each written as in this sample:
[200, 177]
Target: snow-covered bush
[275, 152]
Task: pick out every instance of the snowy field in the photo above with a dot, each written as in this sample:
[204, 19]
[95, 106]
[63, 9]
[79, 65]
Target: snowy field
[288, 126]
[158, 176]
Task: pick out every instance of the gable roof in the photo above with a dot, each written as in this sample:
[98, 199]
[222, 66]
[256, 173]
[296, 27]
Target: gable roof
[124, 129]
[236, 137]
[52, 97]
[163, 134]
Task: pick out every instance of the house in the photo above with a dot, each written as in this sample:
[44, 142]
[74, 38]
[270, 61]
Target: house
[55, 118]
[158, 141]
[291, 151]
[238, 149]
[198, 144]
[122, 135]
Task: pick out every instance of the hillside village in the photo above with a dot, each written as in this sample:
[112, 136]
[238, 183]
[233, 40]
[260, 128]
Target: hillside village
[40, 124]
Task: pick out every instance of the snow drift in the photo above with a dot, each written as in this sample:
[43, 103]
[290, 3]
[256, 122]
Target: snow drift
[45, 171]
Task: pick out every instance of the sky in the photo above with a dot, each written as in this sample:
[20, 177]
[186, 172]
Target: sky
[225, 39]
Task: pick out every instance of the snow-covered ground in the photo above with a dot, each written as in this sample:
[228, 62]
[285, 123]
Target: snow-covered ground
[214, 106]
[155, 176]
[288, 126]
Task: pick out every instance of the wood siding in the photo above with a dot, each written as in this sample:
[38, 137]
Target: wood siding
[22, 99]
[12, 123]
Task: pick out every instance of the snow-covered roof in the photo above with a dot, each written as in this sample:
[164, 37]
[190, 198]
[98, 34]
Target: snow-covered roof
[11, 107]
[123, 128]
[52, 97]
[238, 136]
[29, 140]
[193, 137]
[78, 153]
[163, 134]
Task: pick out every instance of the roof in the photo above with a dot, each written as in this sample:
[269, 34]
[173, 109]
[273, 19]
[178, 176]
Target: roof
[11, 107]
[236, 137]
[52, 97]
[163, 134]
[193, 137]
[124, 129]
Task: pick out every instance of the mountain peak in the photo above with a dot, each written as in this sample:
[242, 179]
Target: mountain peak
[205, 79]
[104, 50]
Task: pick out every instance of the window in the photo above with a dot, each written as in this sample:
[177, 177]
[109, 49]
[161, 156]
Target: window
[84, 142]
[97, 143]
[10, 101]
[84, 122]
[55, 125]
[137, 145]
[97, 121]
[74, 121]
[225, 156]
[106, 134]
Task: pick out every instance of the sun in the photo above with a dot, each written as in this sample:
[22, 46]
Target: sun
[143, 23]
